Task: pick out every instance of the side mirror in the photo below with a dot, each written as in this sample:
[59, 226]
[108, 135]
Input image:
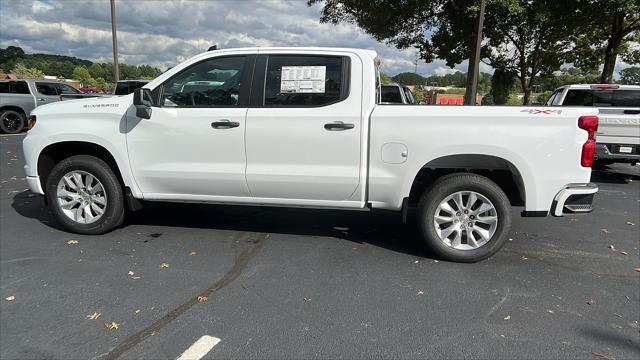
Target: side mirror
[142, 102]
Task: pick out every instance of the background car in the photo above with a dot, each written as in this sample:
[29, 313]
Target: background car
[19, 97]
[618, 137]
[125, 87]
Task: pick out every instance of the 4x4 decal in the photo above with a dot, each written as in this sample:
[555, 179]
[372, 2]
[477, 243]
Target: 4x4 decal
[542, 111]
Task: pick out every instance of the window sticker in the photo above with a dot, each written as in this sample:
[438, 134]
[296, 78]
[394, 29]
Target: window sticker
[303, 79]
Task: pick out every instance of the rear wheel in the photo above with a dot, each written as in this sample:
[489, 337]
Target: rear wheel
[11, 122]
[85, 195]
[464, 217]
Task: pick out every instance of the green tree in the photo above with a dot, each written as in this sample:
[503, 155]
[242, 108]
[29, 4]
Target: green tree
[501, 85]
[99, 83]
[23, 72]
[630, 75]
[604, 30]
[528, 39]
[408, 78]
[444, 29]
[487, 100]
[96, 71]
[81, 74]
[385, 78]
[543, 96]
[419, 94]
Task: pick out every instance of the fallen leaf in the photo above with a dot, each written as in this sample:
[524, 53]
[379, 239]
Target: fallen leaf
[550, 311]
[508, 317]
[164, 266]
[112, 325]
[307, 300]
[630, 223]
[611, 247]
[137, 311]
[10, 298]
[636, 269]
[202, 298]
[420, 292]
[71, 242]
[192, 253]
[525, 258]
[591, 302]
[94, 316]
[130, 273]
[604, 231]
[624, 253]
[602, 356]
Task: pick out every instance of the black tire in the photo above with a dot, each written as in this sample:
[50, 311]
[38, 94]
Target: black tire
[448, 185]
[114, 210]
[11, 121]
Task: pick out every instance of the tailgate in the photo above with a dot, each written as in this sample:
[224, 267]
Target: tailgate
[619, 126]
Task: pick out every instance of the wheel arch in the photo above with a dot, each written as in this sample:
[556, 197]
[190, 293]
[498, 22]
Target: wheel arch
[499, 170]
[56, 152]
[14, 108]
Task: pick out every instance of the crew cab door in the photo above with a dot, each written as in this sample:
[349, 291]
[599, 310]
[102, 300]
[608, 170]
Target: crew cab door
[192, 147]
[46, 93]
[303, 135]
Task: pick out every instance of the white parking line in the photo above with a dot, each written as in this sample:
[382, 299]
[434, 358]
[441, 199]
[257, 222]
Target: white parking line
[199, 348]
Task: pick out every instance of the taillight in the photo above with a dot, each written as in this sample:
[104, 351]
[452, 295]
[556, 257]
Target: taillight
[32, 122]
[590, 124]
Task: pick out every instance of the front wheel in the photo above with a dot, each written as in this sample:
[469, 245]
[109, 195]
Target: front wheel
[464, 217]
[85, 195]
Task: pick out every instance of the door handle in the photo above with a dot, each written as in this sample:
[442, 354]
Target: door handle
[224, 124]
[41, 99]
[338, 126]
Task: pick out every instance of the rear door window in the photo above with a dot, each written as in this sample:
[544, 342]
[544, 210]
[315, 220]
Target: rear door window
[602, 98]
[305, 80]
[14, 87]
[47, 88]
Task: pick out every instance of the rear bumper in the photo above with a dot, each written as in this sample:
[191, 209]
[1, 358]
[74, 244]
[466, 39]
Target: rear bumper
[609, 152]
[574, 198]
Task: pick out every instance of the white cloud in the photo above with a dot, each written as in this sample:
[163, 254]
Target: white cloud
[164, 33]
[441, 70]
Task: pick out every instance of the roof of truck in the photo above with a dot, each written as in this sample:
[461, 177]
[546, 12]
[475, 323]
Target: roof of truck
[371, 53]
[601, 86]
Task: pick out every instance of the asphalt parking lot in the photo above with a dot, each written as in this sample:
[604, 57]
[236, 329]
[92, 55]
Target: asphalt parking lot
[314, 284]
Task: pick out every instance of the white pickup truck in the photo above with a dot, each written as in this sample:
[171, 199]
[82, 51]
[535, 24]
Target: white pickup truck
[619, 118]
[301, 127]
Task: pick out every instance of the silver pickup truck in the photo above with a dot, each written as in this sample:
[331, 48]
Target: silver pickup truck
[19, 97]
[618, 137]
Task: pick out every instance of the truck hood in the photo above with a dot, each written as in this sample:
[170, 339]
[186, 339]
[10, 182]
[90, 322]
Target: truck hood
[84, 106]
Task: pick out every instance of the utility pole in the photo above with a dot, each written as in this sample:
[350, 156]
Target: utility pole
[116, 68]
[474, 69]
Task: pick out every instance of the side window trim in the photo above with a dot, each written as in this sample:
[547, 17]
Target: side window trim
[259, 86]
[244, 94]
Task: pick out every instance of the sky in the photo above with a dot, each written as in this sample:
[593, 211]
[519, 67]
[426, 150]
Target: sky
[165, 33]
